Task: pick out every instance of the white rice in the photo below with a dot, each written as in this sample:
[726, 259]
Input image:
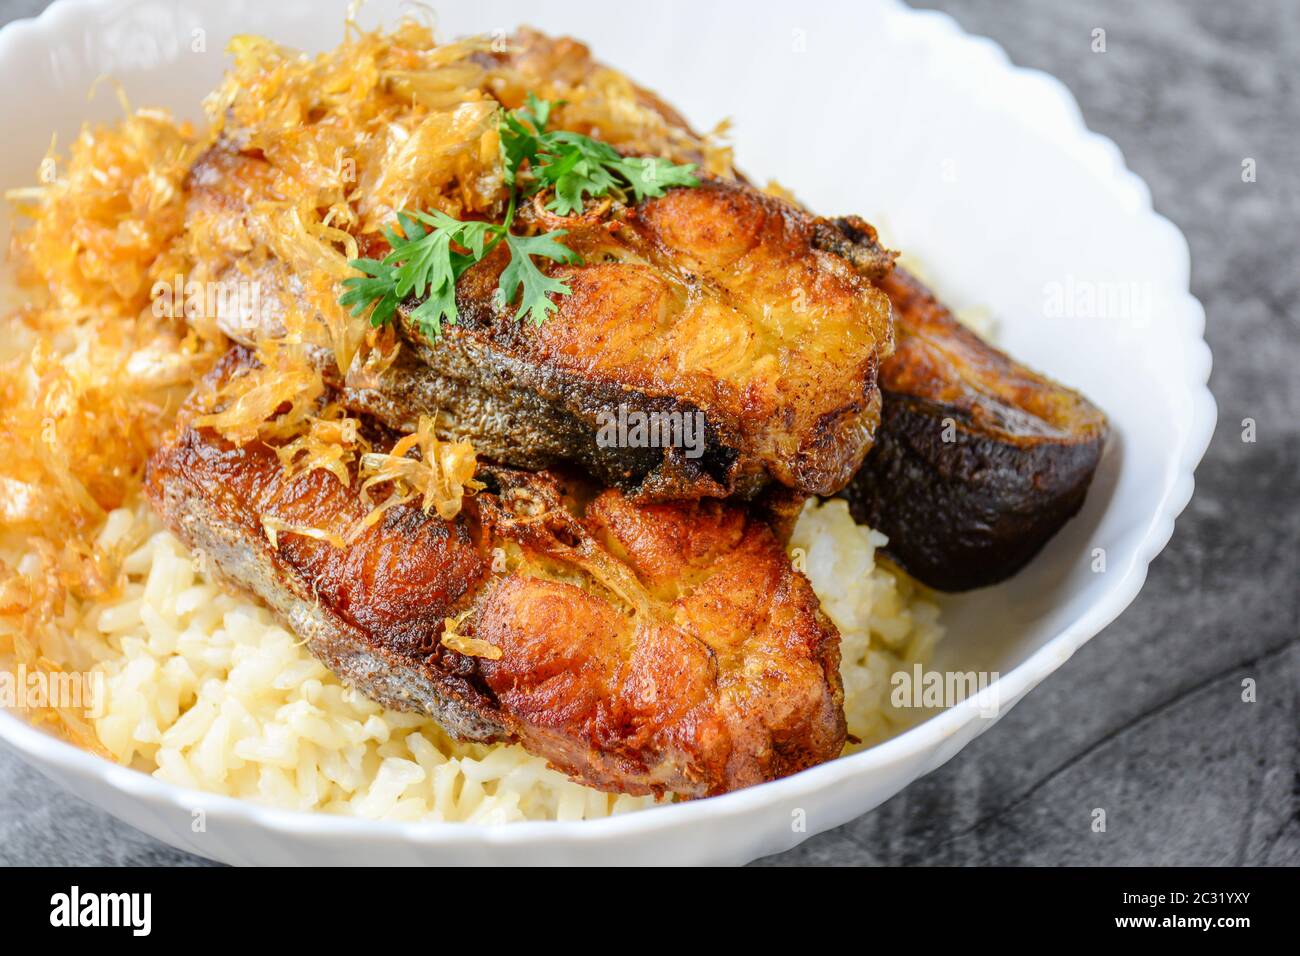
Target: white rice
[204, 689]
[885, 625]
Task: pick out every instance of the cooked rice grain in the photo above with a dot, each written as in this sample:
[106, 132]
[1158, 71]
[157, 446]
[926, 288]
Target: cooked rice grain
[204, 689]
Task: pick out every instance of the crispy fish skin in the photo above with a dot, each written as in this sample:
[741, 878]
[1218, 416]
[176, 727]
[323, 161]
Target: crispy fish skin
[979, 460]
[703, 665]
[716, 301]
[398, 581]
[643, 648]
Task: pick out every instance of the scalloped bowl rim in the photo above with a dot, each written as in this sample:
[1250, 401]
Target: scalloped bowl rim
[927, 736]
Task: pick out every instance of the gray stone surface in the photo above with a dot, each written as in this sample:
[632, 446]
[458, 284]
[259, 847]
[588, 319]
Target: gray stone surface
[1146, 720]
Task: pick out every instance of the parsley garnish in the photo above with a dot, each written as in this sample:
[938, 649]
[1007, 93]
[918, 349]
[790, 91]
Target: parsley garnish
[521, 272]
[426, 262]
[577, 166]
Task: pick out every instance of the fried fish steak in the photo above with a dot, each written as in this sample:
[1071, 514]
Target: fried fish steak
[713, 300]
[715, 306]
[639, 648]
[979, 460]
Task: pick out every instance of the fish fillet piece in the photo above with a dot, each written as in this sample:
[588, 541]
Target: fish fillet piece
[639, 648]
[717, 303]
[979, 460]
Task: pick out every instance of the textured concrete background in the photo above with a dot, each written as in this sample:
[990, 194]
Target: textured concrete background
[1146, 720]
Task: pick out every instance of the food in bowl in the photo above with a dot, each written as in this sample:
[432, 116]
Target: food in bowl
[495, 423]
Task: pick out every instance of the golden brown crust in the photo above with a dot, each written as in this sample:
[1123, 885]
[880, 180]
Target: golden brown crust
[718, 301]
[644, 649]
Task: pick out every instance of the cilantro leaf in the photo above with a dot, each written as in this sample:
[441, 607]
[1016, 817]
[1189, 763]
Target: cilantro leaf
[578, 167]
[520, 134]
[438, 308]
[652, 176]
[423, 259]
[376, 288]
[518, 143]
[474, 236]
[429, 251]
[538, 111]
[535, 302]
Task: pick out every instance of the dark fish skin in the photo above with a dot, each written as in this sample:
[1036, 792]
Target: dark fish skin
[717, 301]
[530, 417]
[973, 510]
[644, 648]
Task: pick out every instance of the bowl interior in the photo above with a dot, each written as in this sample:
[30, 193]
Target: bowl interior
[855, 110]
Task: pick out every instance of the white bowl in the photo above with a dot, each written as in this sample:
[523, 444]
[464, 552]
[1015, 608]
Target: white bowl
[982, 170]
